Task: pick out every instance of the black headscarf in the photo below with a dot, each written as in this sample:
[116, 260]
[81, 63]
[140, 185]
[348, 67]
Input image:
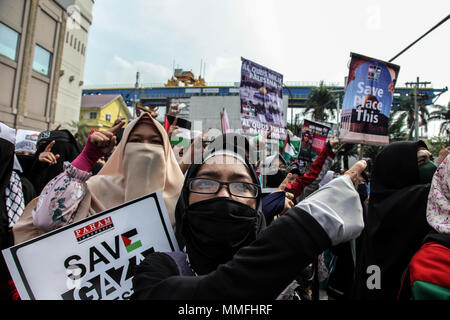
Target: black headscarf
[237, 144]
[6, 168]
[6, 239]
[65, 145]
[396, 224]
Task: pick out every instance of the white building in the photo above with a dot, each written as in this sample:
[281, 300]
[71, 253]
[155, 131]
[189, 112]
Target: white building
[68, 101]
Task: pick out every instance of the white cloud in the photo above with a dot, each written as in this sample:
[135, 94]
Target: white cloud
[122, 71]
[303, 40]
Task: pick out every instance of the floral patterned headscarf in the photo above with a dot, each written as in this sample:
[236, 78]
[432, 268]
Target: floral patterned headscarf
[438, 208]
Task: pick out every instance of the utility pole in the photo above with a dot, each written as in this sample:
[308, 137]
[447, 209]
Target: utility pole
[338, 105]
[135, 95]
[416, 108]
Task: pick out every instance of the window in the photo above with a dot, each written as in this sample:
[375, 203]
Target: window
[75, 43]
[86, 115]
[78, 46]
[67, 37]
[8, 42]
[71, 39]
[108, 117]
[41, 62]
[93, 115]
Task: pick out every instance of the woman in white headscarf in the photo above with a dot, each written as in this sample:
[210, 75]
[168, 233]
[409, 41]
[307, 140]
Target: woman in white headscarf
[142, 163]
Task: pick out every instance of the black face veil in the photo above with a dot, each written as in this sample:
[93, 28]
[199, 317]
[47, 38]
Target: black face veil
[184, 234]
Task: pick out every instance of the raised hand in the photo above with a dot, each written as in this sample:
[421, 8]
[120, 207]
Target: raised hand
[47, 155]
[106, 140]
[355, 172]
[443, 154]
[173, 109]
[288, 203]
[172, 128]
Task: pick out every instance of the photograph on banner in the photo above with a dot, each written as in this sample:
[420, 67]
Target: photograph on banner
[367, 101]
[261, 96]
[314, 138]
[92, 259]
[26, 141]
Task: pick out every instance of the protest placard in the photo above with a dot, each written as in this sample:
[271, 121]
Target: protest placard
[92, 259]
[314, 138]
[367, 101]
[261, 96]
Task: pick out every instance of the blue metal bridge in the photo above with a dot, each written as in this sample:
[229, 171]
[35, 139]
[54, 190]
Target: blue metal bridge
[158, 95]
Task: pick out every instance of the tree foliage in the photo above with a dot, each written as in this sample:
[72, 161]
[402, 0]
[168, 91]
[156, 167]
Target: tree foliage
[321, 103]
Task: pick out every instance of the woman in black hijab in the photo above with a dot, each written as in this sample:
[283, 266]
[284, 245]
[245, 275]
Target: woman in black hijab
[65, 148]
[395, 224]
[13, 197]
[229, 254]
[6, 239]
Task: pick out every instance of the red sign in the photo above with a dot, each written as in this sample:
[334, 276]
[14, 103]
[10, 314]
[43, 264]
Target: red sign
[93, 228]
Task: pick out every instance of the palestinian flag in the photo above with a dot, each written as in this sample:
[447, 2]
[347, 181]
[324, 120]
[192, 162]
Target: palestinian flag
[129, 245]
[181, 136]
[288, 150]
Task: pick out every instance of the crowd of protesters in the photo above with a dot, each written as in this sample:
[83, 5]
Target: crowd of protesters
[319, 233]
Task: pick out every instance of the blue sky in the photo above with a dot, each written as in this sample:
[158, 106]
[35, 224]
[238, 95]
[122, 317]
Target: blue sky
[303, 40]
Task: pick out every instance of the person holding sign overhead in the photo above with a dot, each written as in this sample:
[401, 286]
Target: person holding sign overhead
[142, 163]
[229, 252]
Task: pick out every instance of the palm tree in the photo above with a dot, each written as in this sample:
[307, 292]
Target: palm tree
[442, 114]
[321, 102]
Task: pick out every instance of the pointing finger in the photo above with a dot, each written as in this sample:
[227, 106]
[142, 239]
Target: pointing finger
[283, 184]
[116, 128]
[49, 146]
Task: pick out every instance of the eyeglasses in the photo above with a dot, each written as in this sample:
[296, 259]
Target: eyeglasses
[211, 186]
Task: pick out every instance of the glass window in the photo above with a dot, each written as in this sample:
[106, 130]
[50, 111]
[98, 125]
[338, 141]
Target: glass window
[8, 42]
[41, 62]
[108, 117]
[93, 115]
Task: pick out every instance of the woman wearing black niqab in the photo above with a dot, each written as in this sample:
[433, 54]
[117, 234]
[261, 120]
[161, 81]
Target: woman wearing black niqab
[395, 224]
[229, 254]
[12, 203]
[66, 146]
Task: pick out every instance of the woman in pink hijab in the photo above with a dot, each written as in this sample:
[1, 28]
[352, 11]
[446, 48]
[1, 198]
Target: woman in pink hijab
[142, 163]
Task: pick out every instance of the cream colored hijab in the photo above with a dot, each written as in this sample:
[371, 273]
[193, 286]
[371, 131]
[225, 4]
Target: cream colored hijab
[111, 187]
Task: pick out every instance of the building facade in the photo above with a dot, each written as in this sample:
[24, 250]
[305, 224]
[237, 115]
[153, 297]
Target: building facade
[32, 42]
[68, 101]
[99, 112]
